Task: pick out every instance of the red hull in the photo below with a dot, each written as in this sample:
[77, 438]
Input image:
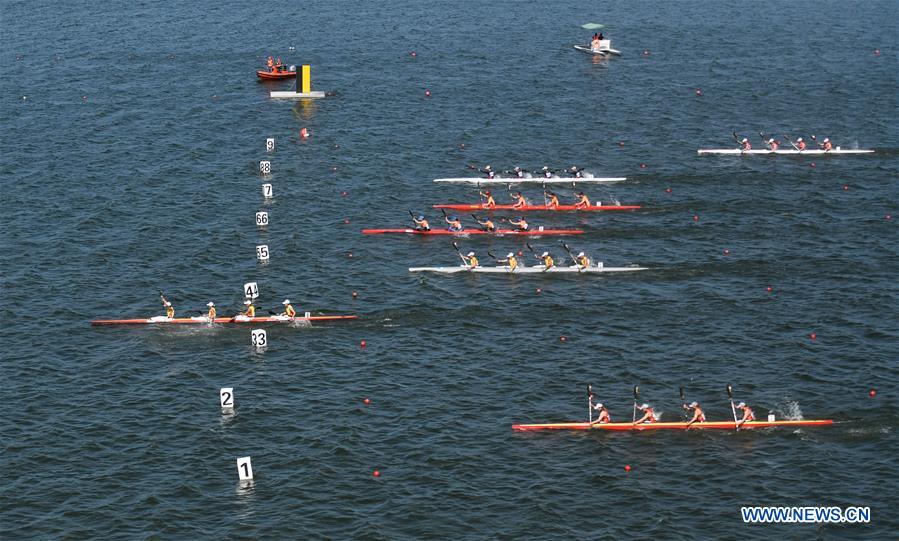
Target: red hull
[527, 208]
[500, 232]
[270, 76]
[711, 425]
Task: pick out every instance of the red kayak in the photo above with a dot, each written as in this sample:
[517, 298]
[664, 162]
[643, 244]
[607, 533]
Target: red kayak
[526, 208]
[719, 425]
[498, 232]
[274, 75]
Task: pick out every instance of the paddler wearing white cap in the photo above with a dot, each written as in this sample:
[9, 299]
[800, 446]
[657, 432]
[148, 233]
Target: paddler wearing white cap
[744, 144]
[800, 144]
[288, 309]
[547, 260]
[510, 260]
[582, 260]
[698, 414]
[250, 310]
[602, 414]
[169, 309]
[211, 313]
[748, 415]
[470, 260]
[772, 144]
[649, 415]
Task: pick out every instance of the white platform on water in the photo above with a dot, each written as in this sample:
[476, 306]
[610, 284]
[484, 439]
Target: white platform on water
[291, 95]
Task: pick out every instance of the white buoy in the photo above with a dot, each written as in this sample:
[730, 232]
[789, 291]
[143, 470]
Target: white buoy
[259, 338]
[262, 219]
[244, 469]
[599, 264]
[226, 397]
[308, 315]
[265, 167]
[770, 417]
[267, 191]
[270, 144]
[251, 290]
[262, 252]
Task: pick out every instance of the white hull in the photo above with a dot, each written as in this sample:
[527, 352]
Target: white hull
[794, 152]
[539, 269]
[534, 180]
[601, 52]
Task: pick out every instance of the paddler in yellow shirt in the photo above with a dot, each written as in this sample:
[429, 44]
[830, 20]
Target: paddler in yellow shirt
[547, 260]
[288, 309]
[582, 260]
[510, 260]
[211, 313]
[250, 310]
[470, 260]
[169, 309]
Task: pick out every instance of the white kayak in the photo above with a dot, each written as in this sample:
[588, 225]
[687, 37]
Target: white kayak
[537, 269]
[496, 181]
[605, 48]
[788, 151]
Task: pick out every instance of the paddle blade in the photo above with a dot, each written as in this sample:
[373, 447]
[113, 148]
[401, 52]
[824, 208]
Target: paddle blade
[456, 246]
[491, 254]
[589, 391]
[730, 391]
[682, 394]
[636, 392]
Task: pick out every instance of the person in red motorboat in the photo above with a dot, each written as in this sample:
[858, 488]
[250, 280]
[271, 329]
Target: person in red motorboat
[270, 63]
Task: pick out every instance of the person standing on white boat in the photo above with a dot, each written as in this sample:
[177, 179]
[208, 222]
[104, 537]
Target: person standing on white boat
[595, 44]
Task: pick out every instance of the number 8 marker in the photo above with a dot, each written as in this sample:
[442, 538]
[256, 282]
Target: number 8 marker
[265, 167]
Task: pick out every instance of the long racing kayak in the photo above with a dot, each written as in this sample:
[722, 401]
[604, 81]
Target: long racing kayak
[793, 152]
[537, 269]
[499, 232]
[203, 320]
[533, 180]
[527, 208]
[712, 425]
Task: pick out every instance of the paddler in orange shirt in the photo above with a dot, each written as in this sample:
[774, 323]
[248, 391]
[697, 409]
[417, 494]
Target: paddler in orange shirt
[698, 414]
[748, 415]
[826, 145]
[602, 414]
[582, 260]
[772, 144]
[490, 203]
[211, 312]
[520, 201]
[582, 201]
[487, 224]
[552, 199]
[288, 309]
[744, 145]
[800, 144]
[649, 415]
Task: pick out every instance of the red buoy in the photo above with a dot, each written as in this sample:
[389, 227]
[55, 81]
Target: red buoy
[888, 217]
[366, 401]
[344, 194]
[305, 133]
[695, 217]
[621, 143]
[362, 344]
[355, 294]
[413, 54]
[642, 166]
[349, 254]
[726, 251]
[698, 92]
[538, 290]
[427, 93]
[845, 187]
[645, 52]
[562, 338]
[461, 145]
[346, 220]
[376, 473]
[876, 52]
[872, 393]
[667, 190]
[813, 336]
[769, 289]
[812, 164]
[627, 468]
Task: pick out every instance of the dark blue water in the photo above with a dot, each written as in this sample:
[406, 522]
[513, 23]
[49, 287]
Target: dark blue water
[131, 137]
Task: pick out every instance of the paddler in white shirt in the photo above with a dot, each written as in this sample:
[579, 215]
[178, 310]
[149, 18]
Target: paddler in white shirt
[547, 172]
[576, 172]
[288, 309]
[487, 170]
[520, 224]
[748, 415]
